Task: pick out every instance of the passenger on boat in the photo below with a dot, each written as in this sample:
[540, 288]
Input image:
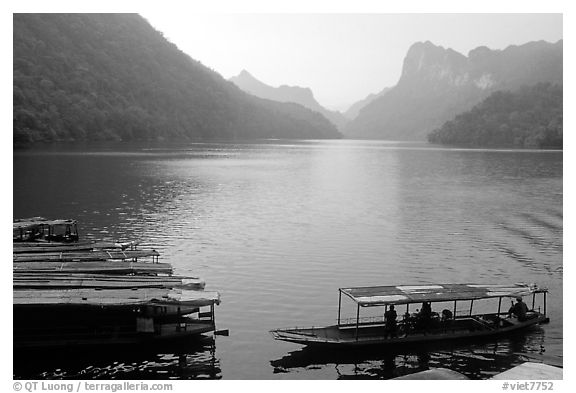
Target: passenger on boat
[520, 309]
[426, 311]
[425, 316]
[407, 324]
[390, 322]
[446, 319]
[446, 315]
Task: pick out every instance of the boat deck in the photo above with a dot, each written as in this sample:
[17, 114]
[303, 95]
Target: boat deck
[85, 280]
[99, 255]
[109, 267]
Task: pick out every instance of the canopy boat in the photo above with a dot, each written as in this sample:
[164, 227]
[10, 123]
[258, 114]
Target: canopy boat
[100, 255]
[27, 247]
[422, 327]
[103, 267]
[39, 229]
[94, 316]
[51, 280]
[38, 234]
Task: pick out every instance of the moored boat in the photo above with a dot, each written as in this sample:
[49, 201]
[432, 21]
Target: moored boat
[422, 327]
[68, 294]
[40, 229]
[21, 247]
[38, 234]
[100, 255]
[56, 318]
[58, 280]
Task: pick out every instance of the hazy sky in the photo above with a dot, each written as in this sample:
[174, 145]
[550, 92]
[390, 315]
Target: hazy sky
[341, 57]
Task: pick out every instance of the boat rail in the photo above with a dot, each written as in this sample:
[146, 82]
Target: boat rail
[377, 320]
[372, 320]
[344, 323]
[300, 327]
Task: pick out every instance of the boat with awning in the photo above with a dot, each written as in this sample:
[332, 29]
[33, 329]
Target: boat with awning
[46, 318]
[463, 311]
[40, 229]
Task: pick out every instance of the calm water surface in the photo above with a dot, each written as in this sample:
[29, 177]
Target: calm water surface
[278, 227]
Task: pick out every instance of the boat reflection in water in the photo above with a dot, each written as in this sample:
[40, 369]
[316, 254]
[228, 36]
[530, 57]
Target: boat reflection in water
[184, 359]
[480, 360]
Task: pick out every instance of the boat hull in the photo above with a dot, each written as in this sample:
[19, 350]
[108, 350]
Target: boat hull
[72, 327]
[346, 336]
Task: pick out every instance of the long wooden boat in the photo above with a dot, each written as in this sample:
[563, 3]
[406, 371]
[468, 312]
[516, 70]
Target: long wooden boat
[111, 297]
[38, 234]
[102, 281]
[91, 317]
[102, 267]
[101, 255]
[43, 246]
[40, 229]
[417, 329]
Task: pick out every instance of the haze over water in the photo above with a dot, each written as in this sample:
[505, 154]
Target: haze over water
[278, 227]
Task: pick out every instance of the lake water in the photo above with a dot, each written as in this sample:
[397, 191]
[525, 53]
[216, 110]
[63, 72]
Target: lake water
[278, 227]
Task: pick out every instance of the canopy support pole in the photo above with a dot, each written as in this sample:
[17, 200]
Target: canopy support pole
[357, 320]
[471, 304]
[454, 309]
[544, 303]
[339, 305]
[533, 300]
[499, 305]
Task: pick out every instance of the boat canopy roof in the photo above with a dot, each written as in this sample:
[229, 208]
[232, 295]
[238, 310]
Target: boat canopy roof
[403, 294]
[115, 297]
[38, 221]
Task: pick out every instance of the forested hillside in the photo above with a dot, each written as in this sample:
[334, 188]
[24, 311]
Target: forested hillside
[113, 77]
[528, 117]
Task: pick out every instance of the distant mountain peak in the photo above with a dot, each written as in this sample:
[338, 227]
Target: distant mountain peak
[480, 51]
[429, 63]
[284, 93]
[424, 45]
[245, 74]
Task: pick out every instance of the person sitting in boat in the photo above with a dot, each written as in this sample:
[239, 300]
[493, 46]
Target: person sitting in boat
[390, 322]
[425, 316]
[446, 319]
[447, 315]
[520, 309]
[407, 324]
